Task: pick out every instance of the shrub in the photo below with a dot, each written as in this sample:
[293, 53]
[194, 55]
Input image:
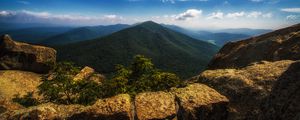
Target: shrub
[63, 89]
[141, 76]
[27, 100]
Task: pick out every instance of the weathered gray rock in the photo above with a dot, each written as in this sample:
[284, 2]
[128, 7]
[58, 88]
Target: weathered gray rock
[21, 56]
[155, 106]
[200, 102]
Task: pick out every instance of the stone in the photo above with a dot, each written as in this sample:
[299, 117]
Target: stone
[247, 88]
[200, 102]
[155, 105]
[84, 73]
[282, 44]
[21, 56]
[115, 108]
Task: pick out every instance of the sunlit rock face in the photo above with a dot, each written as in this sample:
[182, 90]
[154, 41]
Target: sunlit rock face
[21, 56]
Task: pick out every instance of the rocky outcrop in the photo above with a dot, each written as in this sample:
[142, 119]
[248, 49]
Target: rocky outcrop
[247, 88]
[21, 56]
[155, 106]
[13, 83]
[115, 108]
[283, 44]
[196, 101]
[84, 73]
[88, 73]
[283, 103]
[48, 111]
[200, 102]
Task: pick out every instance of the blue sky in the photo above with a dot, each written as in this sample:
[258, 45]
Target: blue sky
[194, 14]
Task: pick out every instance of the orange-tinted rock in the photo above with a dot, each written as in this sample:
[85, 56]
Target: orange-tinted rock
[155, 106]
[200, 102]
[21, 56]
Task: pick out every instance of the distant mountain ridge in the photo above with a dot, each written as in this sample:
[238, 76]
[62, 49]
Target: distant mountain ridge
[36, 34]
[168, 49]
[219, 38]
[83, 33]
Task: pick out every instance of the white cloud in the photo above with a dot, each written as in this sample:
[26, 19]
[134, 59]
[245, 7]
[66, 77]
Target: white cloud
[5, 13]
[190, 13]
[37, 14]
[291, 17]
[235, 14]
[258, 14]
[171, 1]
[267, 15]
[256, 0]
[254, 14]
[293, 10]
[216, 15]
[46, 17]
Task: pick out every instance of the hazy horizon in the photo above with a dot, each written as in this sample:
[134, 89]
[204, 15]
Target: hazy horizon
[191, 14]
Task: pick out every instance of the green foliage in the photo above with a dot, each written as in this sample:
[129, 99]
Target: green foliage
[169, 50]
[141, 76]
[27, 100]
[64, 90]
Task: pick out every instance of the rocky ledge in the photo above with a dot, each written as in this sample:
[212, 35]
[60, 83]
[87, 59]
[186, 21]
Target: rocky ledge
[21, 56]
[196, 101]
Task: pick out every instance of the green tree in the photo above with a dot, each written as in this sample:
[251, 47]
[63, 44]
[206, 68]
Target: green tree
[141, 76]
[62, 89]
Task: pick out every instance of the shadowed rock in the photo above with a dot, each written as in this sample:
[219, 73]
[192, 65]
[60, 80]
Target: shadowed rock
[21, 56]
[283, 44]
[284, 101]
[246, 88]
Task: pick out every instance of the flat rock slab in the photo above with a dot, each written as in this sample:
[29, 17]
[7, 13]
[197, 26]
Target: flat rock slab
[155, 105]
[115, 108]
[198, 101]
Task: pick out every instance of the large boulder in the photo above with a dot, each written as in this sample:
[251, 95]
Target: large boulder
[247, 88]
[115, 108]
[21, 56]
[88, 73]
[155, 106]
[284, 101]
[283, 44]
[200, 102]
